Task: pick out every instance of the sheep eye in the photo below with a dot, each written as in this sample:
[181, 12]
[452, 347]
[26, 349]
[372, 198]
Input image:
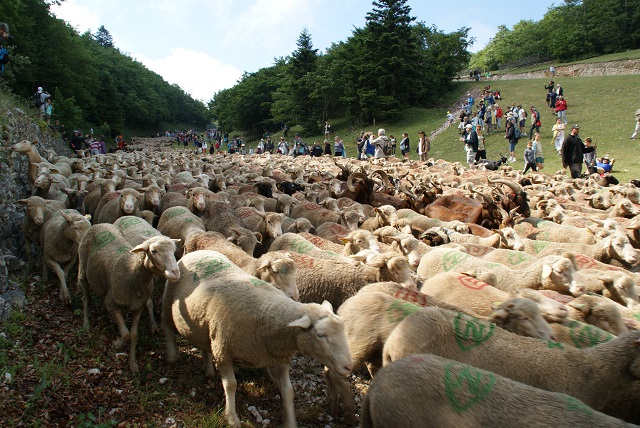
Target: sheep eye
[321, 335]
[153, 251]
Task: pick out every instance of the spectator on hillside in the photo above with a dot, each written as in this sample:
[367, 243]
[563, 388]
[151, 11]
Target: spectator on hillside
[4, 53]
[338, 147]
[379, 142]
[327, 130]
[529, 158]
[450, 118]
[522, 118]
[498, 115]
[535, 122]
[40, 98]
[573, 150]
[392, 141]
[561, 109]
[76, 142]
[510, 135]
[94, 145]
[552, 70]
[558, 134]
[470, 139]
[48, 110]
[327, 147]
[590, 157]
[103, 145]
[424, 146]
[283, 147]
[404, 146]
[482, 150]
[537, 150]
[635, 131]
[605, 164]
[551, 90]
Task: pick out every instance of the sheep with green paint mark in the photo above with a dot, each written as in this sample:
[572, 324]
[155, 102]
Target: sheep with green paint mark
[180, 223]
[605, 377]
[276, 268]
[438, 392]
[237, 319]
[122, 275]
[552, 272]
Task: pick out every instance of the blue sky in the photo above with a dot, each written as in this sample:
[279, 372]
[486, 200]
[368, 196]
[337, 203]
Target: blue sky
[205, 45]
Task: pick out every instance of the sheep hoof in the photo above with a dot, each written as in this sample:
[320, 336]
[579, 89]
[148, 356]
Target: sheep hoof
[118, 343]
[133, 366]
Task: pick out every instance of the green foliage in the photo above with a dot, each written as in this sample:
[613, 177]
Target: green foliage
[92, 82]
[573, 30]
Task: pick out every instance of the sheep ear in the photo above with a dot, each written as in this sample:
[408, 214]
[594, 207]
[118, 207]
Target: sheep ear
[546, 271]
[302, 322]
[66, 216]
[258, 236]
[140, 248]
[22, 202]
[327, 305]
[175, 241]
[500, 313]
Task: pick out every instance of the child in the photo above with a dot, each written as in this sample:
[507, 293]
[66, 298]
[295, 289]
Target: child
[529, 158]
[450, 118]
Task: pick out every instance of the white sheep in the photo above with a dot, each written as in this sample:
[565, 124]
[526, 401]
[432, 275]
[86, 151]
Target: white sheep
[552, 272]
[605, 377]
[117, 204]
[431, 391]
[237, 319]
[122, 276]
[60, 239]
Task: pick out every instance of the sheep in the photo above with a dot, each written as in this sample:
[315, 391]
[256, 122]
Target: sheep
[372, 313]
[269, 225]
[122, 276]
[579, 334]
[599, 311]
[332, 231]
[552, 272]
[323, 279]
[117, 204]
[28, 148]
[49, 185]
[297, 243]
[385, 215]
[535, 228]
[275, 268]
[359, 240]
[220, 217]
[152, 195]
[179, 223]
[604, 377]
[237, 319]
[430, 391]
[92, 200]
[317, 215]
[296, 225]
[75, 199]
[59, 240]
[38, 211]
[477, 298]
[619, 286]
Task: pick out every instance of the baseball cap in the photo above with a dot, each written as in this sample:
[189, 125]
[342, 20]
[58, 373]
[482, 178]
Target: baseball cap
[39, 88]
[468, 125]
[576, 126]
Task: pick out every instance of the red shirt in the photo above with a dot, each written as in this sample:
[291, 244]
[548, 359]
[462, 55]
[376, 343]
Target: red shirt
[498, 113]
[561, 105]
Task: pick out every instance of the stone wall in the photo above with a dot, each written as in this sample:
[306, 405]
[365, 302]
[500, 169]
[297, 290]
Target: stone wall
[14, 185]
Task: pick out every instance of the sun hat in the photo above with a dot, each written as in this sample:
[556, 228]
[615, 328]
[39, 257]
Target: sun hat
[606, 157]
[576, 126]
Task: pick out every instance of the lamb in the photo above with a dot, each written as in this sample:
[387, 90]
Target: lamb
[117, 204]
[604, 377]
[275, 268]
[322, 279]
[552, 272]
[123, 276]
[438, 392]
[264, 329]
[59, 240]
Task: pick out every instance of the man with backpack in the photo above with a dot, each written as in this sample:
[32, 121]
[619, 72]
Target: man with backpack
[39, 99]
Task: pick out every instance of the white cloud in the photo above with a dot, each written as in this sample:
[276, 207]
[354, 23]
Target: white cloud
[195, 72]
[81, 17]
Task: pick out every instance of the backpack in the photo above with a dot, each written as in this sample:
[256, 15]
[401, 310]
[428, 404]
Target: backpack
[517, 133]
[37, 99]
[386, 146]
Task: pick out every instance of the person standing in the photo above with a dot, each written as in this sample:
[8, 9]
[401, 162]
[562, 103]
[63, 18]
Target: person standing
[635, 131]
[482, 150]
[552, 70]
[327, 147]
[537, 151]
[510, 135]
[498, 115]
[424, 146]
[590, 157]
[535, 122]
[573, 150]
[4, 53]
[470, 140]
[327, 130]
[39, 99]
[48, 110]
[529, 158]
[561, 109]
[379, 142]
[103, 145]
[404, 146]
[338, 147]
[558, 134]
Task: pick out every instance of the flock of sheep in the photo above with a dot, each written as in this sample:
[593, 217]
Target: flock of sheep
[534, 323]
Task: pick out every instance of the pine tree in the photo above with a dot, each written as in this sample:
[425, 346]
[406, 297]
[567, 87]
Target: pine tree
[103, 37]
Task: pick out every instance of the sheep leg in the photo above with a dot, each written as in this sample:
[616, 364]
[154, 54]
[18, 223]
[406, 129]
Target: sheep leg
[209, 370]
[154, 325]
[68, 267]
[64, 292]
[338, 386]
[135, 319]
[125, 336]
[230, 385]
[280, 375]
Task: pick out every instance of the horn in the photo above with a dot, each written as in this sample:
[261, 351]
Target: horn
[517, 189]
[353, 176]
[383, 175]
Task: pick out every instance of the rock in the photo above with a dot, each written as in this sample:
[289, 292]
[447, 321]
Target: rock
[93, 372]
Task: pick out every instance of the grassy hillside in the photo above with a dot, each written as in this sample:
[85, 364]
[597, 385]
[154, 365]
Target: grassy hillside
[603, 106]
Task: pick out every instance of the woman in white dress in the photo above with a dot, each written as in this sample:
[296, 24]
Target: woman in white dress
[558, 134]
